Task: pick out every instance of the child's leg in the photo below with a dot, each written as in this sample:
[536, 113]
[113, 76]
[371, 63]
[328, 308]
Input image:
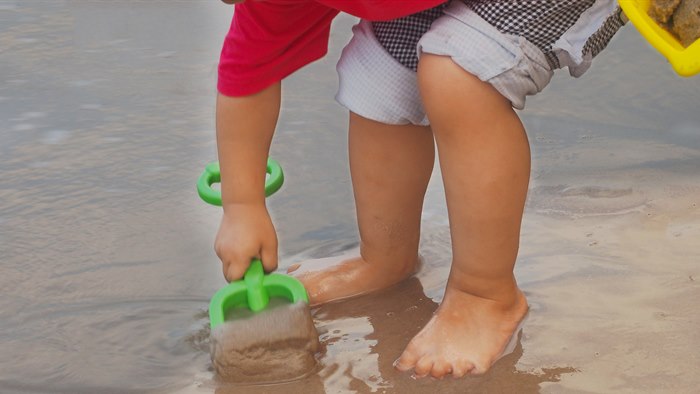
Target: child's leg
[391, 166]
[485, 160]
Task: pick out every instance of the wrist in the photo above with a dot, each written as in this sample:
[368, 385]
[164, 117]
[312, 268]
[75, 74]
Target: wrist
[234, 193]
[230, 206]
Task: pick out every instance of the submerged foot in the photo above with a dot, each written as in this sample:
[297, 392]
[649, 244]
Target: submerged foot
[335, 278]
[466, 335]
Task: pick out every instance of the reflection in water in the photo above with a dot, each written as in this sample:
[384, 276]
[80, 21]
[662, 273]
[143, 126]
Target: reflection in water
[349, 350]
[106, 250]
[363, 336]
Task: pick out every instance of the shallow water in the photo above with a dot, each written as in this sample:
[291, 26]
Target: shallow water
[106, 250]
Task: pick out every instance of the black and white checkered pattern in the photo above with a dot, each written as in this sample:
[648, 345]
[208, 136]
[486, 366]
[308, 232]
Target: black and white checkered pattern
[598, 41]
[541, 22]
[400, 36]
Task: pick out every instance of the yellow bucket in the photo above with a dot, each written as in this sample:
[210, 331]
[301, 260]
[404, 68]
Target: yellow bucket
[685, 61]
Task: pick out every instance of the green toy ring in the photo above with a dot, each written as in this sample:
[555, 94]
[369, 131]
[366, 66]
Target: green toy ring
[212, 175]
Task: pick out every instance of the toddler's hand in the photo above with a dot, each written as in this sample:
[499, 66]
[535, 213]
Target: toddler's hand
[246, 231]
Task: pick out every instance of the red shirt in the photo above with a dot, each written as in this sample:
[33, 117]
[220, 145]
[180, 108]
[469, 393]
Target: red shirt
[270, 39]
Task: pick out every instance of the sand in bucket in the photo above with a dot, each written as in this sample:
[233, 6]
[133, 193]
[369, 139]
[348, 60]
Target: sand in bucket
[681, 17]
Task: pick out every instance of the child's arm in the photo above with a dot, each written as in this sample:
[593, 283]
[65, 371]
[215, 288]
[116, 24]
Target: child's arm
[244, 130]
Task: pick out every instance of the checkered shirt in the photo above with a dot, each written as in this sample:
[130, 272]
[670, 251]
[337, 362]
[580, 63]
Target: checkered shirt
[542, 22]
[400, 36]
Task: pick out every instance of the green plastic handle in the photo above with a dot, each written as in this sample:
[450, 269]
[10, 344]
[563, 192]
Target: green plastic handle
[253, 278]
[212, 175]
[256, 287]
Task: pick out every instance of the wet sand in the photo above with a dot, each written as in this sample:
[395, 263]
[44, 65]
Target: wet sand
[106, 250]
[277, 345]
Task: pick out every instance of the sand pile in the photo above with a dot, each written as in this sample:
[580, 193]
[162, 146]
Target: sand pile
[272, 346]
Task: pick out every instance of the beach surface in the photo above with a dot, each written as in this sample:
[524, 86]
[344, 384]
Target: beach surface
[107, 252]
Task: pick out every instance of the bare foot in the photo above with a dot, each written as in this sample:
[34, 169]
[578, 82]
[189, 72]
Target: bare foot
[335, 278]
[466, 335]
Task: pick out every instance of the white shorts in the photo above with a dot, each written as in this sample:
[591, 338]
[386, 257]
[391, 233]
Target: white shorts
[376, 86]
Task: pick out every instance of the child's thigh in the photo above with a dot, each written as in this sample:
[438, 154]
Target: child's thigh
[512, 65]
[375, 85]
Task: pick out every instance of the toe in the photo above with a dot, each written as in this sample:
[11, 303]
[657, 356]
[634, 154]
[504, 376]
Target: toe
[406, 361]
[403, 365]
[293, 267]
[423, 367]
[461, 368]
[440, 369]
[479, 368]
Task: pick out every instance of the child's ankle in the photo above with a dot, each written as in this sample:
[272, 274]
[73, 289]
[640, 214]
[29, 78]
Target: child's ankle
[504, 290]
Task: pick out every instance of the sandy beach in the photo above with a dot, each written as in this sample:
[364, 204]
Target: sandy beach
[107, 252]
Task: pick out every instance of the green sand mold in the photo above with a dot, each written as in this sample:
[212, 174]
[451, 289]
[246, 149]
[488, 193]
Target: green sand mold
[254, 292]
[256, 287]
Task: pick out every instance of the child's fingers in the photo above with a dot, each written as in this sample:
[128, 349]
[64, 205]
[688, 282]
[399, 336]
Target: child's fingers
[234, 271]
[231, 267]
[268, 255]
[235, 262]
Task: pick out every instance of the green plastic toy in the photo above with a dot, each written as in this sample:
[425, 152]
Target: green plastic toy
[212, 175]
[256, 287]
